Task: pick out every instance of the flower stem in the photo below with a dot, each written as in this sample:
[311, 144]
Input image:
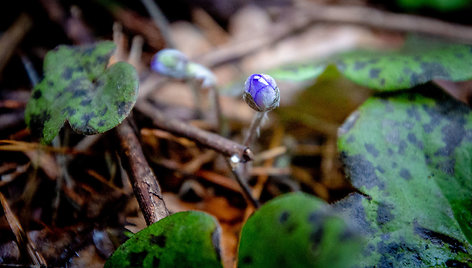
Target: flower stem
[197, 98]
[254, 128]
[220, 124]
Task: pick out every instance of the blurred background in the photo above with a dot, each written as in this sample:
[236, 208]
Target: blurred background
[77, 207]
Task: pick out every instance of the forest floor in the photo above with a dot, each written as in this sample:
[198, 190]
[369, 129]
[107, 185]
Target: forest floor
[73, 204]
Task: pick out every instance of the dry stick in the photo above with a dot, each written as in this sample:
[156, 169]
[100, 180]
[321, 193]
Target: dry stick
[211, 140]
[311, 13]
[160, 21]
[28, 65]
[387, 20]
[208, 139]
[145, 186]
[73, 26]
[22, 238]
[243, 184]
[12, 37]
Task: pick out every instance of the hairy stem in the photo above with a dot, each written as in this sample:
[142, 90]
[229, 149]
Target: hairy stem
[254, 128]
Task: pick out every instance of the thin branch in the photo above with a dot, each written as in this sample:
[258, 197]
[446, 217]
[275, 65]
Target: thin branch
[73, 25]
[243, 184]
[208, 139]
[375, 18]
[160, 21]
[12, 37]
[145, 185]
[310, 13]
[22, 239]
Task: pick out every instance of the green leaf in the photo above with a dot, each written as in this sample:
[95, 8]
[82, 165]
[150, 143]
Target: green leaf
[299, 72]
[78, 88]
[411, 155]
[313, 107]
[419, 61]
[441, 5]
[297, 230]
[184, 239]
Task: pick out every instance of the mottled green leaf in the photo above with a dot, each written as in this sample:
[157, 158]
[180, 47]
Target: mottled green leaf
[441, 5]
[78, 88]
[184, 239]
[297, 230]
[411, 155]
[299, 72]
[419, 61]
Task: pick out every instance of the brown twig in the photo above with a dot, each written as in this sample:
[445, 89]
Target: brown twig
[212, 30]
[12, 37]
[218, 179]
[246, 190]
[375, 18]
[208, 139]
[138, 24]
[145, 185]
[22, 238]
[73, 25]
[310, 13]
[160, 21]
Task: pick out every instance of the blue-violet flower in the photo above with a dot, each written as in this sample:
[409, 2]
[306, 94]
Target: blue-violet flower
[261, 93]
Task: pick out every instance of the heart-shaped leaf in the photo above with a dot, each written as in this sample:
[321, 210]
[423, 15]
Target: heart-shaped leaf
[411, 155]
[78, 88]
[297, 230]
[184, 239]
[419, 61]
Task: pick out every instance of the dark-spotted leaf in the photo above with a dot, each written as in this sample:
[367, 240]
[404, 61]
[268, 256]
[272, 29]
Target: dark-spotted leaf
[184, 239]
[79, 88]
[297, 230]
[419, 61]
[411, 155]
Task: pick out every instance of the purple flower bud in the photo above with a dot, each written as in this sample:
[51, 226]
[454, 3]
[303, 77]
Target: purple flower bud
[170, 62]
[261, 92]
